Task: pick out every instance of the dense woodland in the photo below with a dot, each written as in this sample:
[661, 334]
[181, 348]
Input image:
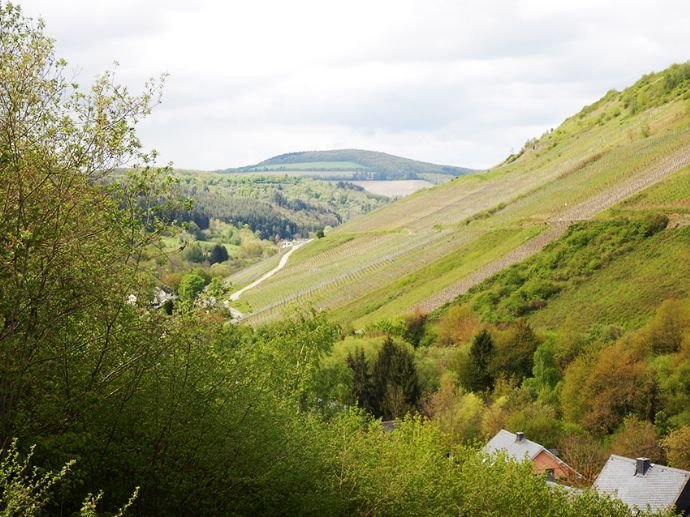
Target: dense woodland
[274, 207]
[109, 403]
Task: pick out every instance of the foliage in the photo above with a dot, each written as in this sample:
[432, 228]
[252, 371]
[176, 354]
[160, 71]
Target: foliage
[457, 413]
[515, 348]
[476, 375]
[219, 253]
[545, 375]
[601, 390]
[586, 247]
[458, 325]
[191, 286]
[193, 253]
[230, 419]
[677, 446]
[395, 388]
[25, 490]
[362, 389]
[636, 438]
[274, 207]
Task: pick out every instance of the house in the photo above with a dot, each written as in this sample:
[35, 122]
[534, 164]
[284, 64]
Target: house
[543, 460]
[639, 483]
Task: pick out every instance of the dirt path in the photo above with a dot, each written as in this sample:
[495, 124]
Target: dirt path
[283, 261]
[559, 224]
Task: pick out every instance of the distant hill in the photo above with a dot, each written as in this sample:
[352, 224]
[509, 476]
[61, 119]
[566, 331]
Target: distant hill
[355, 164]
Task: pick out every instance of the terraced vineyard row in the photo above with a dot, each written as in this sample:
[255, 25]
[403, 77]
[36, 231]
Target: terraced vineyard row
[354, 276]
[558, 226]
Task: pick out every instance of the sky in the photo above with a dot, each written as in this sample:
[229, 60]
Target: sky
[453, 82]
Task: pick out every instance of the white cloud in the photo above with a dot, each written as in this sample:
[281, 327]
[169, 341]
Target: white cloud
[438, 80]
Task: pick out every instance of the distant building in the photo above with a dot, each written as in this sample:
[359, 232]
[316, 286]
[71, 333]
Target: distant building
[640, 484]
[544, 461]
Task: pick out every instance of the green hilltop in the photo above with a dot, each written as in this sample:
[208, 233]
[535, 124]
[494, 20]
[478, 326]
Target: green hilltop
[355, 164]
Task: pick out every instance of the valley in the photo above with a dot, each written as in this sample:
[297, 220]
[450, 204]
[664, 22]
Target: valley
[345, 331]
[428, 248]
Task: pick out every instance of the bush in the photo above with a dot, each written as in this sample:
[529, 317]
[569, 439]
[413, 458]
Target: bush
[191, 286]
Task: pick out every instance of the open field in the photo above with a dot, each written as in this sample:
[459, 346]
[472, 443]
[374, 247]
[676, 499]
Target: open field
[427, 248]
[394, 188]
[310, 173]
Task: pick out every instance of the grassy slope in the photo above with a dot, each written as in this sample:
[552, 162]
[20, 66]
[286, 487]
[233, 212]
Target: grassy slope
[628, 290]
[653, 271]
[588, 154]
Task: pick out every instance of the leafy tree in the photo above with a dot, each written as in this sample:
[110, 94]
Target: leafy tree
[458, 325]
[70, 244]
[320, 234]
[514, 352]
[584, 453]
[545, 375]
[666, 330]
[191, 286]
[635, 438]
[415, 327]
[216, 288]
[601, 389]
[458, 414]
[677, 446]
[193, 253]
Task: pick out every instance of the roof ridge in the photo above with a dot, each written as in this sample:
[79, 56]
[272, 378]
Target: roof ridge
[666, 467]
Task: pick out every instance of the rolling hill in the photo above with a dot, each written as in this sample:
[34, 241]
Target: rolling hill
[427, 249]
[354, 164]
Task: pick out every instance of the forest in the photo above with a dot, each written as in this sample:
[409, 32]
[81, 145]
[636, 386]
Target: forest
[274, 207]
[111, 405]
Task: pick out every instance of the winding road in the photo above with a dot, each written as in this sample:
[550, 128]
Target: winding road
[283, 261]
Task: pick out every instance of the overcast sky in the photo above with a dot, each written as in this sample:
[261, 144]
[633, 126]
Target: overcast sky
[453, 82]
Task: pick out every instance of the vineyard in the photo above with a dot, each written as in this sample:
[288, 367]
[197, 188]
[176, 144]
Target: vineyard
[428, 248]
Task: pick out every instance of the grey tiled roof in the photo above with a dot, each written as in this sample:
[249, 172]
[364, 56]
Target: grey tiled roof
[659, 488]
[505, 440]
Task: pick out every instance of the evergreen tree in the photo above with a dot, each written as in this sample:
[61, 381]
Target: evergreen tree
[395, 385]
[361, 379]
[476, 375]
[219, 253]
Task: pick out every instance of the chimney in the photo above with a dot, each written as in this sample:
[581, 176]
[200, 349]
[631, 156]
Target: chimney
[519, 436]
[642, 466]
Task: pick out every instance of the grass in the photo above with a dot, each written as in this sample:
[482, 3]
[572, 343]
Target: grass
[629, 289]
[402, 295]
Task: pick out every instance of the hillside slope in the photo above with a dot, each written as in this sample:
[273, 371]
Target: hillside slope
[354, 164]
[440, 241]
